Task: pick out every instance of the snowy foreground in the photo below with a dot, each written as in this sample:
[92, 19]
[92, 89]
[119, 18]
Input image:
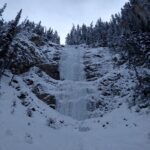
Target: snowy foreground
[30, 124]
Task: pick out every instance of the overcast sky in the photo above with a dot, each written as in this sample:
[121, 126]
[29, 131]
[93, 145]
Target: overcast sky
[61, 14]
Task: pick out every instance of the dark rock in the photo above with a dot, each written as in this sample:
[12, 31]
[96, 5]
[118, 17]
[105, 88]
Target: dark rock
[56, 58]
[144, 105]
[29, 82]
[103, 125]
[107, 122]
[51, 70]
[15, 81]
[146, 92]
[49, 99]
[51, 122]
[20, 68]
[106, 93]
[18, 88]
[125, 119]
[33, 109]
[25, 103]
[145, 80]
[101, 115]
[118, 60]
[97, 55]
[29, 112]
[22, 96]
[100, 104]
[61, 121]
[120, 104]
[44, 96]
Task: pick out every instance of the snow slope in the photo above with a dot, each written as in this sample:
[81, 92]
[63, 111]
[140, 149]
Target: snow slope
[28, 123]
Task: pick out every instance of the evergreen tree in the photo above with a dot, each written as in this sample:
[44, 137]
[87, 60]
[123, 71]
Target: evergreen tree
[2, 9]
[39, 29]
[1, 19]
[49, 34]
[56, 38]
[6, 40]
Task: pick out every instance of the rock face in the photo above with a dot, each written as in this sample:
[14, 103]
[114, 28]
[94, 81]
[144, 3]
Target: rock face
[48, 99]
[43, 95]
[29, 50]
[114, 80]
[51, 70]
[96, 63]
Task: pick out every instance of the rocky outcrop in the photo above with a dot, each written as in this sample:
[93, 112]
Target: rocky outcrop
[30, 50]
[43, 95]
[91, 70]
[96, 63]
[51, 70]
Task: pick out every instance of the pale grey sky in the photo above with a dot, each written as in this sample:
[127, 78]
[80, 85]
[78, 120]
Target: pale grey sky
[61, 14]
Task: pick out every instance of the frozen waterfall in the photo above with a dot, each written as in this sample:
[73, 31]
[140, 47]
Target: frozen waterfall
[71, 100]
[71, 64]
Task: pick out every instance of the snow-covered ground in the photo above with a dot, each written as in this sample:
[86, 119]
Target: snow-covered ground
[28, 123]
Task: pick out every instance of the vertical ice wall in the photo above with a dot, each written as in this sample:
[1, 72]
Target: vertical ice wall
[71, 100]
[71, 64]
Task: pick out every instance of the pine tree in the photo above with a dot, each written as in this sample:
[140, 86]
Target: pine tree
[5, 43]
[7, 39]
[39, 29]
[55, 38]
[2, 9]
[49, 34]
[1, 19]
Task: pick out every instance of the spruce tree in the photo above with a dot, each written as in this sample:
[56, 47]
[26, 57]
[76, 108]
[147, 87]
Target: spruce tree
[2, 9]
[7, 39]
[5, 43]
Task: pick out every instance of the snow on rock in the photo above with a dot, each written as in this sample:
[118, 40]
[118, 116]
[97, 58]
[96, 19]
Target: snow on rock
[97, 63]
[29, 54]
